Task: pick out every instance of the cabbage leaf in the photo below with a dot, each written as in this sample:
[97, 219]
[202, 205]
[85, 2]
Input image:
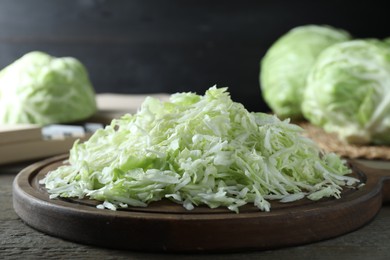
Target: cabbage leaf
[42, 89]
[348, 91]
[286, 64]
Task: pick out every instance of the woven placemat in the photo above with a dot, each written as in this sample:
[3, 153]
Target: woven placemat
[330, 143]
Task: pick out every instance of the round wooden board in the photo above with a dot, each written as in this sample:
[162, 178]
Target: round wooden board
[166, 226]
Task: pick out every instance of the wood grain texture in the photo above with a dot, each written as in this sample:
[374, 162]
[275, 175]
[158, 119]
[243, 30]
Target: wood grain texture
[201, 230]
[18, 241]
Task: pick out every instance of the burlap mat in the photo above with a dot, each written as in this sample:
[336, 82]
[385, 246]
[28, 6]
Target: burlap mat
[330, 143]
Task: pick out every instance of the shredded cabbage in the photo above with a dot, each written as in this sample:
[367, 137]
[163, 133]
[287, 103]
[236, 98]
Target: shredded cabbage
[198, 150]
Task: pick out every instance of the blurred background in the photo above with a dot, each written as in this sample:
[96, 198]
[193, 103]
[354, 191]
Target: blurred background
[145, 46]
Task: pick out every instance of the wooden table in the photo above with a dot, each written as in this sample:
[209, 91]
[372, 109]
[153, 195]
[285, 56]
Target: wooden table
[19, 241]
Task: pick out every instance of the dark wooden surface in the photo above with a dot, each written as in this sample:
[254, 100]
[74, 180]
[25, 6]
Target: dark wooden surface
[18, 241]
[175, 229]
[138, 46]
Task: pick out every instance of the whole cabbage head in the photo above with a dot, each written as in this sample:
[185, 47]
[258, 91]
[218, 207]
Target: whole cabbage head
[348, 91]
[41, 89]
[285, 66]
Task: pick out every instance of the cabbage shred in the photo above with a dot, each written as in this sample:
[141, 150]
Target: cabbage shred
[198, 150]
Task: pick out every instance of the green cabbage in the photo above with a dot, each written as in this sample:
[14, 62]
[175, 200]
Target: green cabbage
[348, 91]
[40, 89]
[285, 66]
[198, 150]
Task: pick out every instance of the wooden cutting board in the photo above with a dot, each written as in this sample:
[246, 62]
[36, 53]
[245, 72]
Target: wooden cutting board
[166, 226]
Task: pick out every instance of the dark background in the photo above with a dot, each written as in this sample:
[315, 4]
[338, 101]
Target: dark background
[137, 46]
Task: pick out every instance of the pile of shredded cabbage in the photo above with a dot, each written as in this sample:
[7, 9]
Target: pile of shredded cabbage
[198, 150]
